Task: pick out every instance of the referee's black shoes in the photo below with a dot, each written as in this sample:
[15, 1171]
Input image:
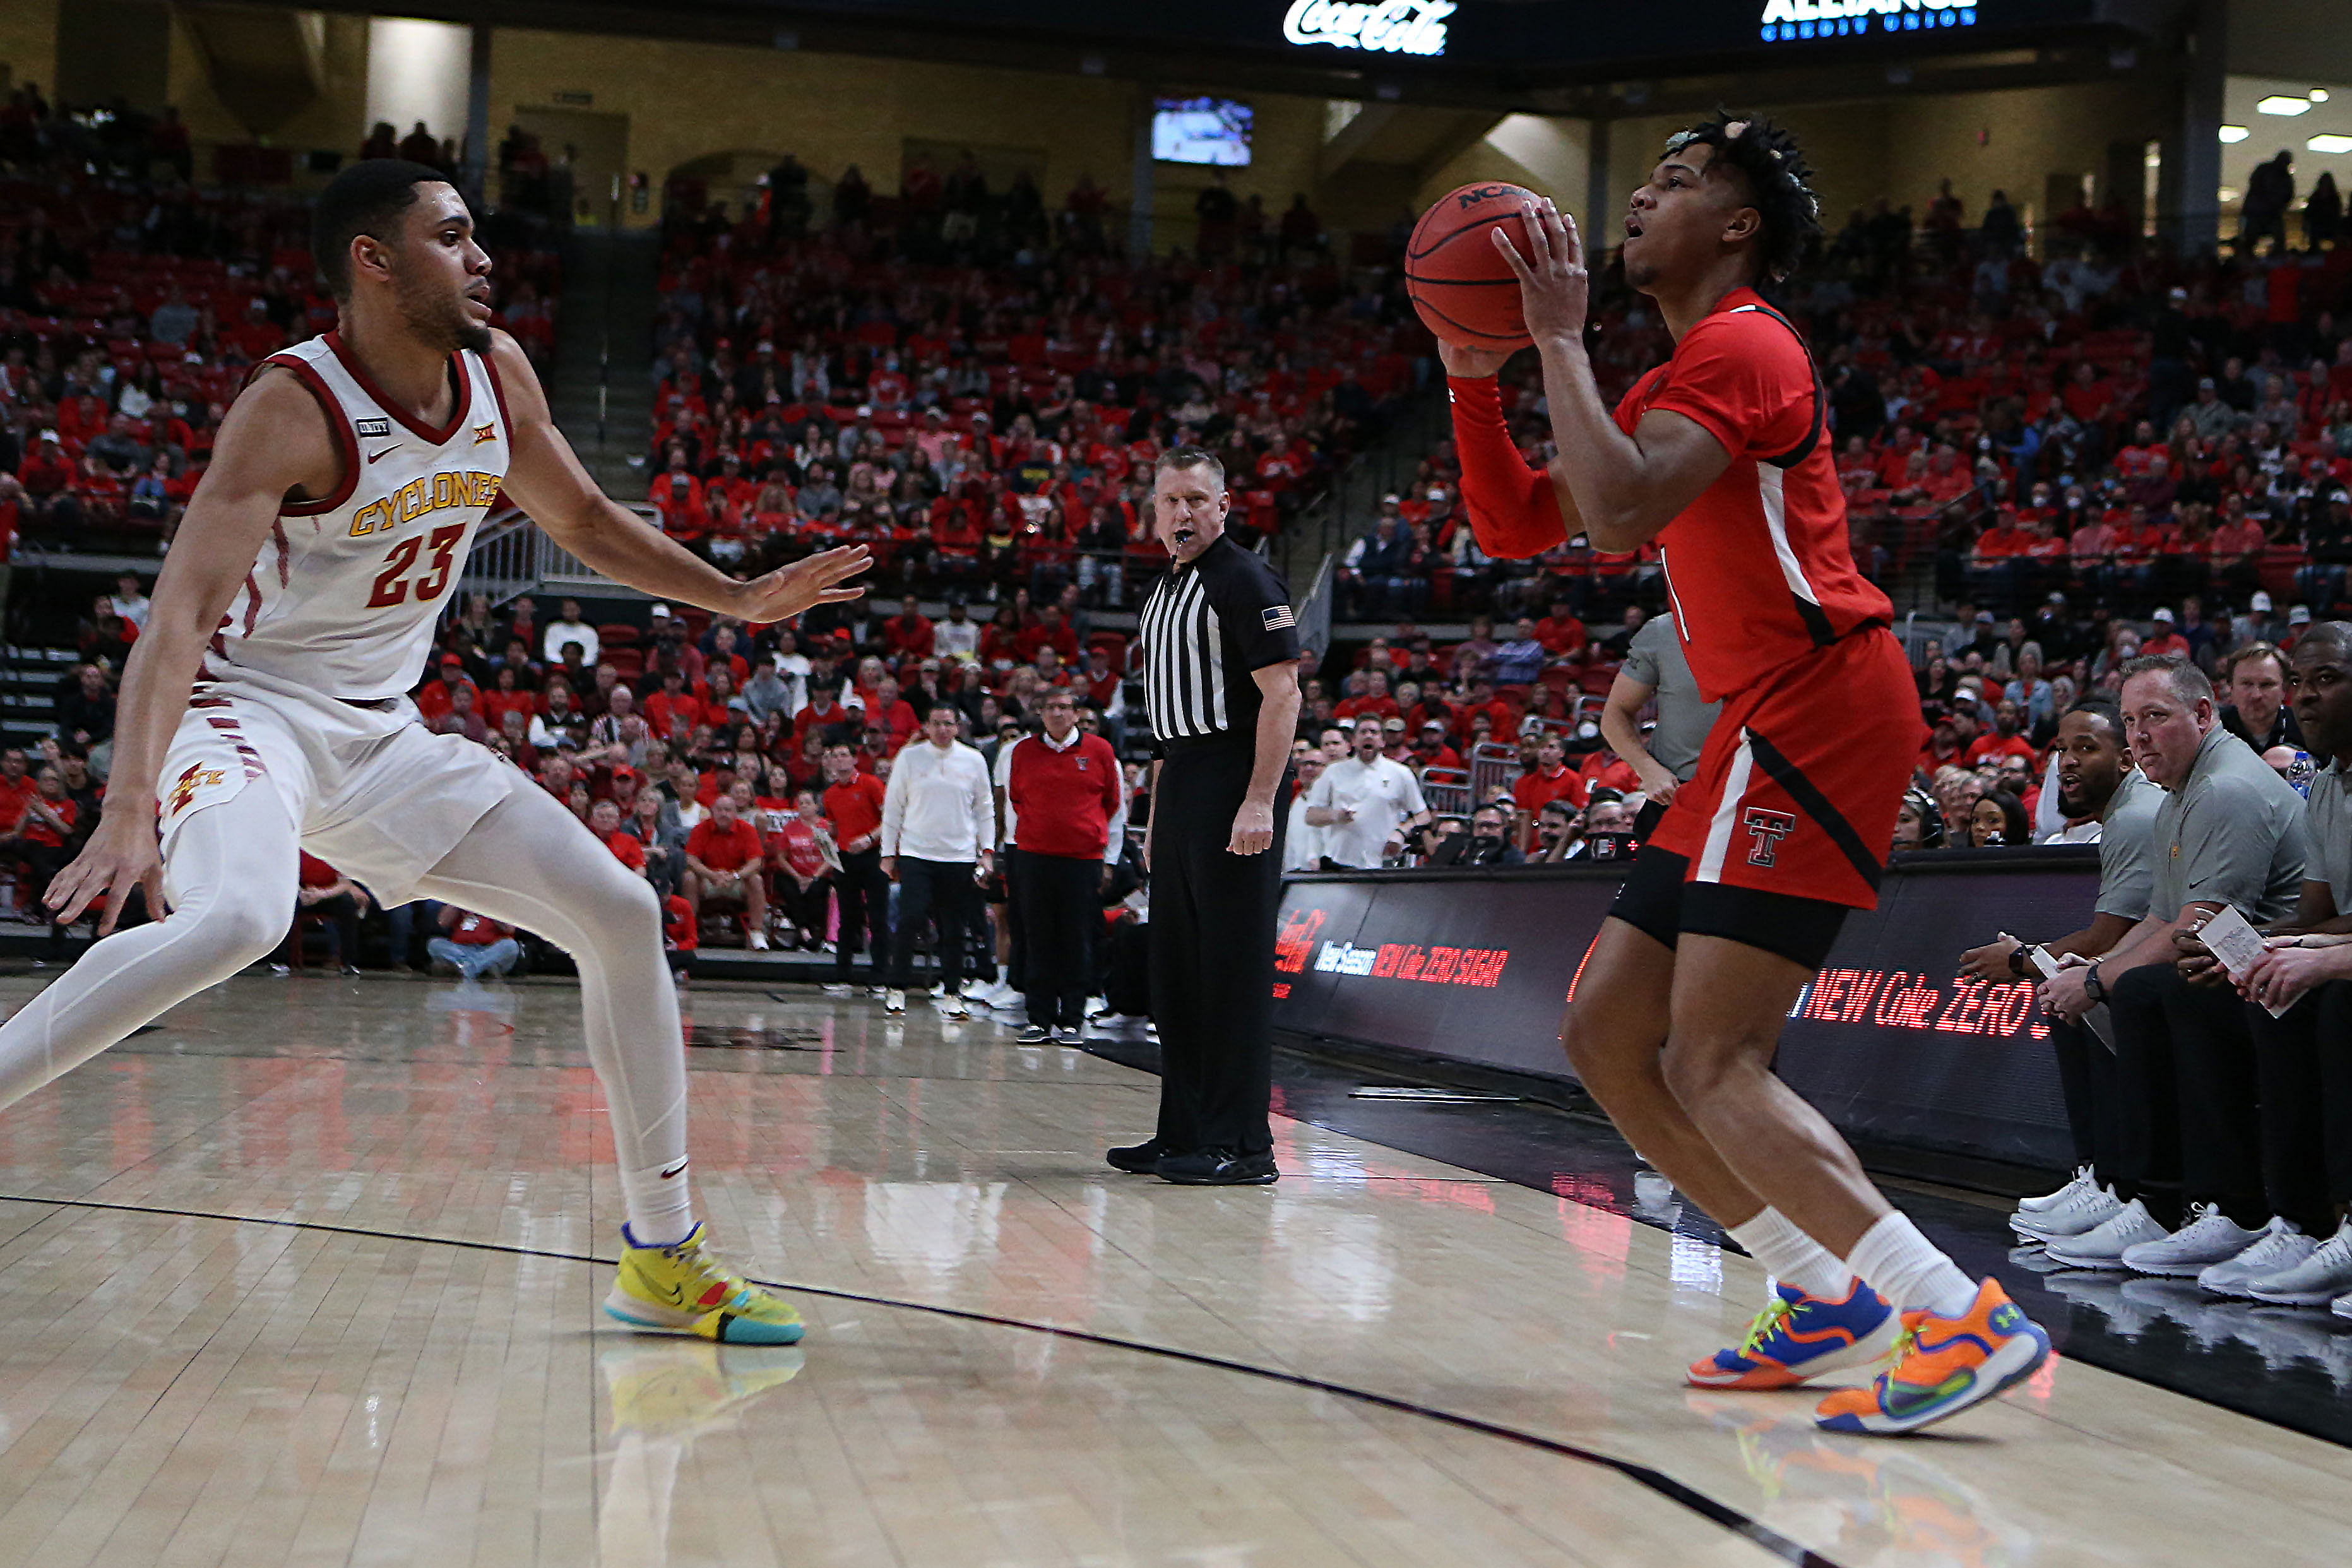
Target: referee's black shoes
[1139, 1159]
[1218, 1168]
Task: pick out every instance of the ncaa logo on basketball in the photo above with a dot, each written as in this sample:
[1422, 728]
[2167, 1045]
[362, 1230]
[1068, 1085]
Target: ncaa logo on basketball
[1768, 828]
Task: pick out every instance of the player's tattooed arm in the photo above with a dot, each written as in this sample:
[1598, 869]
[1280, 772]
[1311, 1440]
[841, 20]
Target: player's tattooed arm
[546, 480]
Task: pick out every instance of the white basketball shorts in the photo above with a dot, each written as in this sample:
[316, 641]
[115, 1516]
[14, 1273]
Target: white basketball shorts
[369, 789]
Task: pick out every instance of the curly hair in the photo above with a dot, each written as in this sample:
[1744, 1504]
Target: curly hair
[1774, 166]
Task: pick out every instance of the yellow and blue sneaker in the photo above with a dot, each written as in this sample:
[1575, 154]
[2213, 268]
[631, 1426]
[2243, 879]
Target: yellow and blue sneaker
[685, 1290]
[1797, 1337]
[1942, 1366]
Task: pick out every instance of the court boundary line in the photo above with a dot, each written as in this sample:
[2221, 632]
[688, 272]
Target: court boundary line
[1710, 1508]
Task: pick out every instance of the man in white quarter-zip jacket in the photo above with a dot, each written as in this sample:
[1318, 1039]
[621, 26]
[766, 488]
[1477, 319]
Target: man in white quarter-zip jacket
[939, 826]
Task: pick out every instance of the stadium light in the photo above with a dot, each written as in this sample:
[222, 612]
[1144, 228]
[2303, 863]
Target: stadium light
[2319, 95]
[2279, 103]
[2330, 144]
[2234, 133]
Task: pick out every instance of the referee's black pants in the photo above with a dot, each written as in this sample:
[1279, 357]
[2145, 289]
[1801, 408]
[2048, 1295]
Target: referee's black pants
[1212, 915]
[1061, 897]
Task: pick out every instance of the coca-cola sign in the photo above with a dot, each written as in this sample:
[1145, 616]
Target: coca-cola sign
[1386, 26]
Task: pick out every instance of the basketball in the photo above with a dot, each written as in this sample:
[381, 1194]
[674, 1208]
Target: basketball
[1459, 283]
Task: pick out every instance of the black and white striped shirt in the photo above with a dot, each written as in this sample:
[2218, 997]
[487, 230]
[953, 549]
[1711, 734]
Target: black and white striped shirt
[1206, 628]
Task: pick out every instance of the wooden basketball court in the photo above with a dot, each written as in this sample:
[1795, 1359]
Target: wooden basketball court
[309, 1274]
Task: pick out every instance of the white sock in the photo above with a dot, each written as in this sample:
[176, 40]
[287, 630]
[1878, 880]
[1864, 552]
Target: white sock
[661, 1208]
[1894, 1259]
[1794, 1257]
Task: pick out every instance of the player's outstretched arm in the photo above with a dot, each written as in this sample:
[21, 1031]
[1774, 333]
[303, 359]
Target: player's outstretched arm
[545, 479]
[1516, 511]
[1624, 488]
[274, 440]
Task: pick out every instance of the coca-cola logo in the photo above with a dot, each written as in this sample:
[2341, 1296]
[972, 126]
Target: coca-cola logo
[1386, 26]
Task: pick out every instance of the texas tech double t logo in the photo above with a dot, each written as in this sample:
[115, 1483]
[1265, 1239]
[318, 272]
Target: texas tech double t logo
[1766, 828]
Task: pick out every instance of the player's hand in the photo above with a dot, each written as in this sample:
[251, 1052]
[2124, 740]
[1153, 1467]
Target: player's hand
[122, 855]
[1471, 364]
[890, 866]
[1253, 829]
[2195, 961]
[1554, 289]
[789, 589]
[1989, 961]
[1658, 784]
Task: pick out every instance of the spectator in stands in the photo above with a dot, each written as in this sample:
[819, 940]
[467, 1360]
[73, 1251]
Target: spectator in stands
[1365, 802]
[1488, 841]
[1519, 660]
[568, 630]
[1999, 818]
[803, 860]
[2254, 677]
[472, 945]
[724, 862]
[130, 601]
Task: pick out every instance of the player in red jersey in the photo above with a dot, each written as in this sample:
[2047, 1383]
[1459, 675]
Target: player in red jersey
[1720, 456]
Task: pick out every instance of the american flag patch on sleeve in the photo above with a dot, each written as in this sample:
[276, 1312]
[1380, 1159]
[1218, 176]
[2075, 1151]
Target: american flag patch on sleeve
[1278, 618]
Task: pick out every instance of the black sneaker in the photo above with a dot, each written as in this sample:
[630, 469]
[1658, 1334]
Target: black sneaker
[1036, 1035]
[1139, 1159]
[1218, 1168]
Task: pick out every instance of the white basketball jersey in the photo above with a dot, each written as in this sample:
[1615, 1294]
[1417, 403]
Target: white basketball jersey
[344, 595]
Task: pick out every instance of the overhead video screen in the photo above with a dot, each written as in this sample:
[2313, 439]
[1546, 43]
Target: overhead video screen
[1201, 131]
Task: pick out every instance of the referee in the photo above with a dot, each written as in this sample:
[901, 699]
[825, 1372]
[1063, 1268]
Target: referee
[1220, 693]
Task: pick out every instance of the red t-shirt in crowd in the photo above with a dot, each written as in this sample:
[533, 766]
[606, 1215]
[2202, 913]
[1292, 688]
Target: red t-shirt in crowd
[13, 797]
[679, 932]
[1995, 747]
[729, 848]
[854, 809]
[478, 930]
[1760, 566]
[36, 829]
[1537, 789]
[627, 850]
[794, 846]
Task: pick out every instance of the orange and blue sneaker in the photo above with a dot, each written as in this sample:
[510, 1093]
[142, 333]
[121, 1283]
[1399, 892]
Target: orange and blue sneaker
[1942, 1365]
[1797, 1337]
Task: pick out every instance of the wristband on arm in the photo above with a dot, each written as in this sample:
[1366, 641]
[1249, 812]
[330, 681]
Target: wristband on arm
[1513, 513]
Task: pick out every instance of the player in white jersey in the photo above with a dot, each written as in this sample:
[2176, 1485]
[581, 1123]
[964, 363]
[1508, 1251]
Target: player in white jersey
[264, 710]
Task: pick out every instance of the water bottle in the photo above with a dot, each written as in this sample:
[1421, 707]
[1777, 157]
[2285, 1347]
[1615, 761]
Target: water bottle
[2300, 772]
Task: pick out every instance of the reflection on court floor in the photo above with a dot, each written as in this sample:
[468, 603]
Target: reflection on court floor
[309, 1274]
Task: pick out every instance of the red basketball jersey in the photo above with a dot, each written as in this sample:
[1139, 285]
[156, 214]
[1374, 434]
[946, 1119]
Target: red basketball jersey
[1758, 567]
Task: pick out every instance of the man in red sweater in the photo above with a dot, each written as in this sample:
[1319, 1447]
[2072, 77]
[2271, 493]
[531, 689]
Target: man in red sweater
[1068, 804]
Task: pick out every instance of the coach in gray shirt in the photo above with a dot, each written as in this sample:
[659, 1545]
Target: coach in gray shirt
[2098, 785]
[2227, 835]
[1668, 758]
[2303, 1058]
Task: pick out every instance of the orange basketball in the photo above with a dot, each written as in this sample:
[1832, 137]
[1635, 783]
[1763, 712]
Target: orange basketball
[1459, 283]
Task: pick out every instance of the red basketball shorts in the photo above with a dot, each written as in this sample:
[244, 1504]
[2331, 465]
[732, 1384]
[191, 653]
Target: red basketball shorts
[1801, 780]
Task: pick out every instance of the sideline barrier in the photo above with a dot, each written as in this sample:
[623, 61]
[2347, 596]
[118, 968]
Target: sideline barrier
[1473, 966]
